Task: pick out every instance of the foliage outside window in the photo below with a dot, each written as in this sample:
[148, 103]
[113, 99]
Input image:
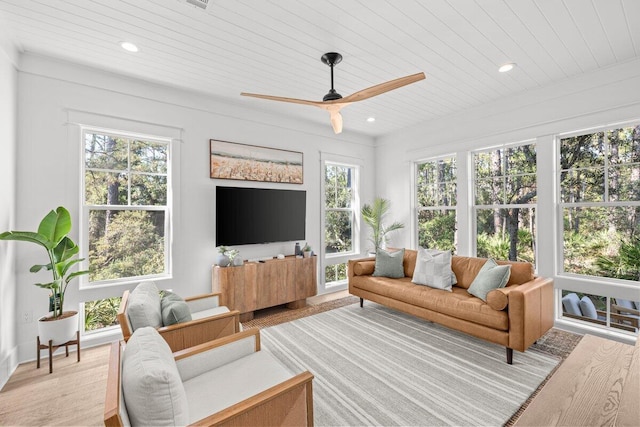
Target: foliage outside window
[339, 208]
[125, 206]
[505, 200]
[100, 314]
[335, 272]
[436, 203]
[600, 203]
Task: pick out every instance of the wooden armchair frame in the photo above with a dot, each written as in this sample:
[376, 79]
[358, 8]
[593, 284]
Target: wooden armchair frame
[191, 333]
[287, 403]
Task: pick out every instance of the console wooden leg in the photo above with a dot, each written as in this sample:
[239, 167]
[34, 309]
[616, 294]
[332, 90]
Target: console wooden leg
[509, 356]
[361, 302]
[245, 317]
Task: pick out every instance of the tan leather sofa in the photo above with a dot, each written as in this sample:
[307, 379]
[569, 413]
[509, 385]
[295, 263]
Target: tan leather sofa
[514, 316]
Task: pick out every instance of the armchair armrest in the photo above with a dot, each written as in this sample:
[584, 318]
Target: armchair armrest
[531, 307]
[205, 357]
[203, 302]
[194, 332]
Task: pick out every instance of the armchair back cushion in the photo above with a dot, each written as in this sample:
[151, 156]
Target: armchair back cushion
[144, 306]
[151, 384]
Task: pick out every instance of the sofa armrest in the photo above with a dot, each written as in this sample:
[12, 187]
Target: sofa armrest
[530, 310]
[205, 357]
[203, 302]
[352, 265]
[188, 334]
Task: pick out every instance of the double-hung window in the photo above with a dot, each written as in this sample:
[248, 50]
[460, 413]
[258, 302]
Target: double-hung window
[599, 219]
[436, 199]
[340, 220]
[125, 213]
[505, 195]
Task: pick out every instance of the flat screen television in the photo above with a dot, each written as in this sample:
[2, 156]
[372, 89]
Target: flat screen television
[257, 215]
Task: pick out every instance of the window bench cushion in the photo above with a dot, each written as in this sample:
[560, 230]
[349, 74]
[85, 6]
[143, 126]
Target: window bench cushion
[229, 384]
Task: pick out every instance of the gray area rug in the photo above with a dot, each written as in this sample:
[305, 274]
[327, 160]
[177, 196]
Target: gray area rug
[377, 366]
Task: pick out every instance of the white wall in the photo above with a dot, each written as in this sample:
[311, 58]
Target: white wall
[50, 92]
[603, 97]
[8, 143]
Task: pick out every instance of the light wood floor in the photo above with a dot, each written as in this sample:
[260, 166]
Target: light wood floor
[73, 395]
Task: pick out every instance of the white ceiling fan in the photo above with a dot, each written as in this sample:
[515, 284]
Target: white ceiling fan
[333, 102]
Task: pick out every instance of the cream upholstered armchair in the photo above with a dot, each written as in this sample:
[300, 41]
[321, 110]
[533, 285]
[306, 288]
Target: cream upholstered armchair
[181, 322]
[229, 381]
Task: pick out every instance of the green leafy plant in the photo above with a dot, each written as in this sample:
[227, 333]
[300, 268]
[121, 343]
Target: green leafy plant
[374, 216]
[61, 250]
[306, 248]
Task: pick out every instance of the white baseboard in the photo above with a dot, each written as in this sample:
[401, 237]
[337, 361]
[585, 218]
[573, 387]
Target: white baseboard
[7, 366]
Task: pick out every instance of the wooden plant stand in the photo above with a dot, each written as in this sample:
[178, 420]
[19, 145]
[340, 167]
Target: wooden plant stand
[53, 348]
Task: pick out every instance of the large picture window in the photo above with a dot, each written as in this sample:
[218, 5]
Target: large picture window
[599, 177]
[125, 206]
[505, 202]
[436, 203]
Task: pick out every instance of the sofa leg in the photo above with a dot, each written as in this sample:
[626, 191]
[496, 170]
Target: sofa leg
[361, 302]
[509, 356]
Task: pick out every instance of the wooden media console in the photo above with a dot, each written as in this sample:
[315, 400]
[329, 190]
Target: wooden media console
[257, 285]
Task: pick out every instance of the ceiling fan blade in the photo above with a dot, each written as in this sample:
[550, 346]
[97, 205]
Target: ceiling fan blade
[336, 121]
[283, 99]
[382, 88]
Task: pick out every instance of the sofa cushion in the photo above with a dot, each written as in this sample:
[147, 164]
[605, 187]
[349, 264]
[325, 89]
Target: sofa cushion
[466, 269]
[143, 307]
[174, 309]
[433, 268]
[389, 264]
[458, 303]
[151, 385]
[364, 268]
[491, 276]
[409, 262]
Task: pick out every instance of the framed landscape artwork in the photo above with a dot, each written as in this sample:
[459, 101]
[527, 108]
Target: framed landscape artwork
[229, 160]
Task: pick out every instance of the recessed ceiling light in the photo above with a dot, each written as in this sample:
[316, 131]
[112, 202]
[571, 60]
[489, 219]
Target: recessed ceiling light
[506, 67]
[129, 47]
[371, 119]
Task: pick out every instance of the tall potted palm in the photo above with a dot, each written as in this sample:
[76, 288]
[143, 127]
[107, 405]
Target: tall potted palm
[52, 233]
[374, 216]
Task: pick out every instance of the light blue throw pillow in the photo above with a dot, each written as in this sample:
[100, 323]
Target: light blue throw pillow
[389, 264]
[491, 276]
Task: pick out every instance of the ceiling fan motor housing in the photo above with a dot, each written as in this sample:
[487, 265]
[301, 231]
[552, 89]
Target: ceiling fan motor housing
[331, 59]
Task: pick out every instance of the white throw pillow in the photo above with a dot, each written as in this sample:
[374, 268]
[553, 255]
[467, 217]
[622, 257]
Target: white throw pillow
[144, 306]
[151, 384]
[433, 269]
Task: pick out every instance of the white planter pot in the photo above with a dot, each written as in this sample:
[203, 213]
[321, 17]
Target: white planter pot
[60, 331]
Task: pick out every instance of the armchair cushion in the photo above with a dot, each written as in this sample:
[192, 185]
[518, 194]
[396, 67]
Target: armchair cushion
[242, 378]
[571, 304]
[174, 309]
[144, 306]
[209, 312]
[587, 308]
[152, 388]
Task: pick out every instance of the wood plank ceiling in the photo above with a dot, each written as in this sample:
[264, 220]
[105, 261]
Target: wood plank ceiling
[274, 47]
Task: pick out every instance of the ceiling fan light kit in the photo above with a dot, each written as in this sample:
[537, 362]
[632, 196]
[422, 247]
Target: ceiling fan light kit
[333, 102]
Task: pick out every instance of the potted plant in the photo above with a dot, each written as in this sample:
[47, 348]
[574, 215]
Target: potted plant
[306, 251]
[52, 233]
[374, 215]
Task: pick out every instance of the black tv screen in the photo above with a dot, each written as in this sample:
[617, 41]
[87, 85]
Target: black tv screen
[255, 215]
